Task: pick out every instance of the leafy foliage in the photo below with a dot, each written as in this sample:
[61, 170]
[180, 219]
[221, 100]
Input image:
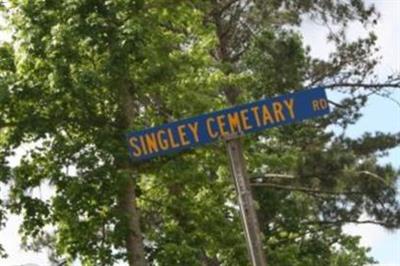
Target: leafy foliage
[80, 73]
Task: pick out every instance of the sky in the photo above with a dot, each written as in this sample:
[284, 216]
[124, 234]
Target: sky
[380, 114]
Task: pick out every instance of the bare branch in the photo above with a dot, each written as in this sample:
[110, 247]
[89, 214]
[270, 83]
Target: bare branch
[305, 189]
[275, 176]
[375, 176]
[336, 104]
[341, 222]
[364, 85]
[389, 98]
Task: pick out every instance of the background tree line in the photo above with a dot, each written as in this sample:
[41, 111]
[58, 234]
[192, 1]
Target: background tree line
[78, 74]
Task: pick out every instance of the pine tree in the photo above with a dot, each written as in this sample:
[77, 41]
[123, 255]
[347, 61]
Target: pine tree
[79, 74]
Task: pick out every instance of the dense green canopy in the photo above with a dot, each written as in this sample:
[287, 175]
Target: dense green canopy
[78, 74]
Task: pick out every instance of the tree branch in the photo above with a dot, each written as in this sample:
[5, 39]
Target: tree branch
[365, 85]
[375, 176]
[286, 176]
[336, 104]
[341, 222]
[305, 189]
[226, 6]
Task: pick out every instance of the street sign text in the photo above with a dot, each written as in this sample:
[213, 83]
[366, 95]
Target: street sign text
[246, 118]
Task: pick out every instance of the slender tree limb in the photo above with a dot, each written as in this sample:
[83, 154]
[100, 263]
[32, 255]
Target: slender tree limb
[305, 189]
[341, 222]
[364, 85]
[336, 104]
[286, 176]
[389, 98]
[375, 176]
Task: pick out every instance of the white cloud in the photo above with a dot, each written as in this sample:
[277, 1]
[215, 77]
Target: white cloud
[371, 234]
[388, 32]
[9, 238]
[385, 244]
[379, 115]
[314, 35]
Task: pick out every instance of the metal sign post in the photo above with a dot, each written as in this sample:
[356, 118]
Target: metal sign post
[228, 124]
[245, 199]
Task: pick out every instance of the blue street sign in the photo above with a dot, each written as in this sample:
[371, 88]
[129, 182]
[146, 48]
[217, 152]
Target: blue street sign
[246, 118]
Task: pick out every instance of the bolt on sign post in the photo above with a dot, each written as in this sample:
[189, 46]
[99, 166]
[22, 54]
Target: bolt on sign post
[228, 124]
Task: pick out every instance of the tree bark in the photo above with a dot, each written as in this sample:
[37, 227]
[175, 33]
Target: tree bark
[134, 239]
[225, 33]
[128, 204]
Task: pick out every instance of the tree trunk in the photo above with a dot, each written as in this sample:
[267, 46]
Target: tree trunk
[128, 204]
[225, 32]
[134, 239]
